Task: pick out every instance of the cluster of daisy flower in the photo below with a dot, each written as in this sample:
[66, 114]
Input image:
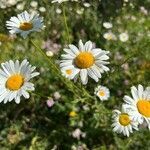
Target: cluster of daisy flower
[123, 37]
[15, 76]
[78, 64]
[135, 111]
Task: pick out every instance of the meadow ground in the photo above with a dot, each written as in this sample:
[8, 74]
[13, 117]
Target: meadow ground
[63, 114]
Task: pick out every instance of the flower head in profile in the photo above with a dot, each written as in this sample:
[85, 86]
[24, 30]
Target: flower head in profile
[102, 92]
[84, 61]
[58, 1]
[24, 24]
[15, 80]
[139, 104]
[123, 123]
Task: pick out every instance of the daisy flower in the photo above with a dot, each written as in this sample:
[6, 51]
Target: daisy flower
[24, 23]
[59, 1]
[102, 92]
[123, 123]
[69, 73]
[139, 104]
[85, 61]
[14, 80]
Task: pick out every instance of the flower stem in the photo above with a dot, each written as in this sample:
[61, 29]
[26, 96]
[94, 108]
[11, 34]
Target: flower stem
[65, 22]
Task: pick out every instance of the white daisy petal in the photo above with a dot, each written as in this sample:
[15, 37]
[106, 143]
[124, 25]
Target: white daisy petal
[134, 92]
[69, 52]
[67, 56]
[25, 94]
[128, 99]
[140, 91]
[81, 46]
[83, 75]
[92, 75]
[88, 46]
[74, 49]
[96, 51]
[95, 69]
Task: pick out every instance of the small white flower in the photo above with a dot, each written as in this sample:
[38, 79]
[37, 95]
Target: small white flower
[42, 9]
[107, 25]
[84, 61]
[49, 53]
[34, 4]
[57, 96]
[109, 36]
[68, 73]
[143, 10]
[139, 104]
[123, 123]
[50, 102]
[20, 6]
[102, 92]
[24, 23]
[80, 11]
[58, 11]
[14, 80]
[87, 4]
[77, 133]
[124, 37]
[11, 2]
[59, 1]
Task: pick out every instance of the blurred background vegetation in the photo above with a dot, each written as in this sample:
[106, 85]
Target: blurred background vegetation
[33, 124]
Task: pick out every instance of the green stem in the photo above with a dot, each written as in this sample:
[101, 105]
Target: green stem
[65, 22]
[39, 95]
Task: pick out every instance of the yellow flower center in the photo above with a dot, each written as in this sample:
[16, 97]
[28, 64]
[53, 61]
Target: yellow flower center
[144, 107]
[124, 119]
[69, 72]
[72, 114]
[84, 60]
[15, 82]
[25, 26]
[101, 93]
